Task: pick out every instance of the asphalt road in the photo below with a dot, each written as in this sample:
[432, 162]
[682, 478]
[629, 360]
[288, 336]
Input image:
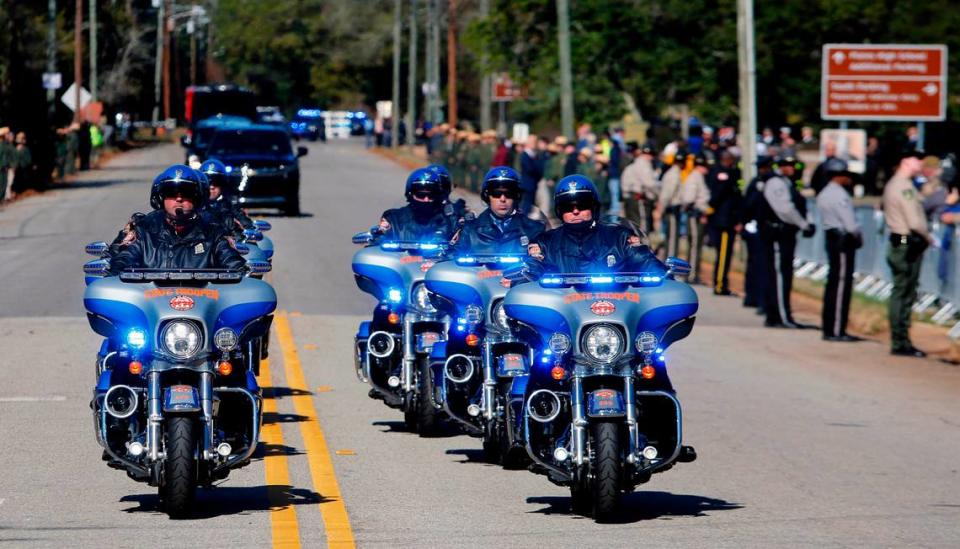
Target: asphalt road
[801, 443]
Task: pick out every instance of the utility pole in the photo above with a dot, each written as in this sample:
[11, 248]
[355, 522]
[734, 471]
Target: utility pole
[485, 83]
[435, 55]
[158, 65]
[166, 63]
[428, 64]
[77, 57]
[51, 56]
[395, 100]
[412, 76]
[192, 31]
[566, 75]
[452, 63]
[93, 50]
[748, 93]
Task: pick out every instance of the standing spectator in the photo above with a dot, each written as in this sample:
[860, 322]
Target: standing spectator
[488, 149]
[571, 159]
[872, 167]
[807, 137]
[368, 126]
[378, 128]
[614, 169]
[530, 174]
[640, 189]
[755, 277]
[843, 237]
[61, 152]
[909, 237]
[73, 147]
[788, 146]
[23, 166]
[668, 203]
[96, 144]
[819, 179]
[85, 147]
[723, 223]
[696, 200]
[7, 159]
[502, 156]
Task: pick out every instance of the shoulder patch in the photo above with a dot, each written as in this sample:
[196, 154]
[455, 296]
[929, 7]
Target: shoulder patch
[909, 194]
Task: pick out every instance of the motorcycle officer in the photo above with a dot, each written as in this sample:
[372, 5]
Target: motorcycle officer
[460, 208]
[583, 243]
[501, 228]
[427, 215]
[175, 235]
[220, 206]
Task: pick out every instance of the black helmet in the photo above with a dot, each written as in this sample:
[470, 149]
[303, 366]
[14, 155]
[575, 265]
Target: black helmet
[180, 179]
[425, 179]
[215, 171]
[838, 166]
[444, 176]
[501, 177]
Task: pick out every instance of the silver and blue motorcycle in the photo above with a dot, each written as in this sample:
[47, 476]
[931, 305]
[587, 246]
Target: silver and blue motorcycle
[600, 414]
[176, 402]
[481, 369]
[392, 350]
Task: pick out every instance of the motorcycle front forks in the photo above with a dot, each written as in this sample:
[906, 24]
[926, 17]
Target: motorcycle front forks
[580, 423]
[155, 414]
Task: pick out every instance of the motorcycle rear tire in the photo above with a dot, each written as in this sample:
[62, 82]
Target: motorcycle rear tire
[606, 467]
[179, 487]
[428, 416]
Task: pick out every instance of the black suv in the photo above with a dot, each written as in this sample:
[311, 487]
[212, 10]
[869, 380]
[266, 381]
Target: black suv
[262, 164]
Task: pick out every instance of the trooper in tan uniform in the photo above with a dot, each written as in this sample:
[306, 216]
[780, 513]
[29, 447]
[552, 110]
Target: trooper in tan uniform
[909, 237]
[640, 188]
[684, 199]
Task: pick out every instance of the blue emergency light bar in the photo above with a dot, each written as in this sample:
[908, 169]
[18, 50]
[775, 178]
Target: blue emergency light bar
[630, 279]
[500, 259]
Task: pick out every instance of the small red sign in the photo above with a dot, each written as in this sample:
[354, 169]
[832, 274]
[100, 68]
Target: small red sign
[181, 303]
[603, 308]
[425, 266]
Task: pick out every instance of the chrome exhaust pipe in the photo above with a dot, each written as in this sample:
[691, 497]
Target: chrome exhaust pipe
[543, 406]
[121, 401]
[381, 344]
[458, 368]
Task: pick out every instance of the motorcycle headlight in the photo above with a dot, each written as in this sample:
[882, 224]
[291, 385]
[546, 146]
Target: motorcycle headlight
[225, 339]
[559, 343]
[181, 339]
[603, 343]
[422, 298]
[500, 316]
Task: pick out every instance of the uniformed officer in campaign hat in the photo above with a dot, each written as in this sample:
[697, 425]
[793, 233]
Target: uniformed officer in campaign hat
[843, 238]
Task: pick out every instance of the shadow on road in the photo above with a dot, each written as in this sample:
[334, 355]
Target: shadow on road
[274, 417]
[265, 450]
[444, 431]
[237, 500]
[283, 392]
[471, 455]
[640, 506]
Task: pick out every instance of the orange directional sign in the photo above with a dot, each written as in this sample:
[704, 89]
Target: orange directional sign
[884, 82]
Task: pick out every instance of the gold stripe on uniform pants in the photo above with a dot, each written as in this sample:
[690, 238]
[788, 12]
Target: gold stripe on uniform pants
[718, 275]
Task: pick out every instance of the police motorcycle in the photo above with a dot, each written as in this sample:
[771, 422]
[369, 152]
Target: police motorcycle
[599, 413]
[392, 351]
[481, 368]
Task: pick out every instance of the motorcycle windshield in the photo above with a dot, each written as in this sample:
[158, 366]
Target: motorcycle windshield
[147, 306]
[570, 310]
[467, 283]
[390, 270]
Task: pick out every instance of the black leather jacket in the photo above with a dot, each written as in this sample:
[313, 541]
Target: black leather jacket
[484, 236]
[602, 247]
[229, 215]
[203, 245]
[404, 224]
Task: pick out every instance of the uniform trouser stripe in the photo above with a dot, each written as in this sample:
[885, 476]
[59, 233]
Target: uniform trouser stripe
[841, 289]
[779, 281]
[721, 262]
[672, 231]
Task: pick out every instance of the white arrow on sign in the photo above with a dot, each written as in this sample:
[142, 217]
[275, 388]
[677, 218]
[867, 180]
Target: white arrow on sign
[69, 97]
[838, 57]
[931, 89]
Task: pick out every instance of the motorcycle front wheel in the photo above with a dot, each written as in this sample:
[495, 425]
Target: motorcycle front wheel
[428, 416]
[179, 487]
[606, 469]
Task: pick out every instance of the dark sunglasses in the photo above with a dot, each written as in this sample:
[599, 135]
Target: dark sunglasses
[425, 195]
[498, 193]
[581, 205]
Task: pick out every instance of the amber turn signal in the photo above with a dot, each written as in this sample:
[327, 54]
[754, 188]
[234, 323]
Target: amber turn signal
[648, 372]
[558, 373]
[225, 368]
[473, 340]
[393, 318]
[136, 367]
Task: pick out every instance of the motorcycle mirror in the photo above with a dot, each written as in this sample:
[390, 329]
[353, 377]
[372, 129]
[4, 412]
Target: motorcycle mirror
[97, 267]
[185, 140]
[259, 267]
[242, 248]
[677, 267]
[252, 235]
[302, 151]
[362, 238]
[262, 225]
[97, 248]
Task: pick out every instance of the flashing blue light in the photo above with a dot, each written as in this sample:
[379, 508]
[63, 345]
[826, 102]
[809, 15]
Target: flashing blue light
[361, 114]
[509, 260]
[601, 279]
[659, 351]
[394, 295]
[461, 320]
[228, 169]
[349, 115]
[551, 280]
[660, 358]
[391, 245]
[136, 338]
[309, 113]
[466, 260]
[652, 279]
[429, 246]
[545, 360]
[461, 327]
[548, 352]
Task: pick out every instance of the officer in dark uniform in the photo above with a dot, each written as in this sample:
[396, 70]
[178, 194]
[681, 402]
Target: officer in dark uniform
[220, 205]
[460, 208]
[175, 235]
[843, 238]
[755, 277]
[501, 228]
[779, 219]
[724, 223]
[427, 215]
[584, 244]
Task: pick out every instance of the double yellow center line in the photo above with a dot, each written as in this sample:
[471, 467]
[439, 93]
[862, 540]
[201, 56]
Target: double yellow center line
[283, 521]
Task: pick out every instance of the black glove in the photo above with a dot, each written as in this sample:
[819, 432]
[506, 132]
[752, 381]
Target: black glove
[810, 230]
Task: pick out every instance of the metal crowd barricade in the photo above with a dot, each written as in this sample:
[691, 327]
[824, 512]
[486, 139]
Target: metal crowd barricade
[873, 277]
